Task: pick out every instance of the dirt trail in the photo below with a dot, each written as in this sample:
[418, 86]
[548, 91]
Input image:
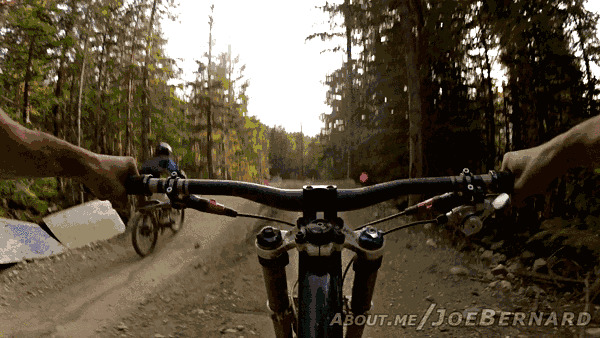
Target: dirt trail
[84, 292]
[207, 282]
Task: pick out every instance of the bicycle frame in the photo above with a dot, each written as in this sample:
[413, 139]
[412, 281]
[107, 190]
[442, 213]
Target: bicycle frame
[320, 237]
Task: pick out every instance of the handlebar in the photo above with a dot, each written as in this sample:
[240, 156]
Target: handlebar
[318, 197]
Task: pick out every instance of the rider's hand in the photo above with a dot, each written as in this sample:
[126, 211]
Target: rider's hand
[106, 178]
[534, 169]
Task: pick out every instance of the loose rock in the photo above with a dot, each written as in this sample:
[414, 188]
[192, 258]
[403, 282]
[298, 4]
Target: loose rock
[224, 330]
[534, 290]
[592, 332]
[539, 265]
[198, 311]
[487, 255]
[505, 285]
[527, 256]
[459, 270]
[514, 266]
[498, 258]
[430, 242]
[497, 245]
[499, 270]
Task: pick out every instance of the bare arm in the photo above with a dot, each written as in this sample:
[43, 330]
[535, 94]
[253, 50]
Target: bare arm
[30, 153]
[535, 168]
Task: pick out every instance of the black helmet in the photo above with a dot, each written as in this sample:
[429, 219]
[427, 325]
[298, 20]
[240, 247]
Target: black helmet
[164, 149]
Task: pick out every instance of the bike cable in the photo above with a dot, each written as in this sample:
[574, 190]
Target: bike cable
[381, 220]
[265, 218]
[411, 225]
[347, 268]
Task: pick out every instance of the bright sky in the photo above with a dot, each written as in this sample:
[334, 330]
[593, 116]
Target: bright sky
[285, 72]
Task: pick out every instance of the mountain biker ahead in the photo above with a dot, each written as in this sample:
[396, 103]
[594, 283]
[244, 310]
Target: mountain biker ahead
[162, 163]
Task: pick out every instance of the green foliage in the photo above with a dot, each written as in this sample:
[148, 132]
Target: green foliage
[294, 155]
[27, 194]
[570, 238]
[49, 50]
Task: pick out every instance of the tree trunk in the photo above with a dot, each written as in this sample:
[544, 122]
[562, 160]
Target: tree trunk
[208, 108]
[129, 123]
[415, 132]
[57, 109]
[81, 78]
[146, 119]
[97, 146]
[516, 118]
[230, 96]
[507, 128]
[28, 75]
[350, 83]
[490, 122]
[586, 59]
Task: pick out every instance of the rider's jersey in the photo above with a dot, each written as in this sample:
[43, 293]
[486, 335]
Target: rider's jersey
[161, 165]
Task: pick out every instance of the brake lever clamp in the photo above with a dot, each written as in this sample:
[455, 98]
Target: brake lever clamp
[474, 191]
[172, 189]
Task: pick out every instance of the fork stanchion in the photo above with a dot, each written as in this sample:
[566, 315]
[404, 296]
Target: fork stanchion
[273, 261]
[365, 266]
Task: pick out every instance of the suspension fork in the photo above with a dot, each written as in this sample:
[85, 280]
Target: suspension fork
[269, 243]
[366, 265]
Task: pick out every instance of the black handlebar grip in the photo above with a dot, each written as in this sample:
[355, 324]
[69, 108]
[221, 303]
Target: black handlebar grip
[505, 181]
[135, 185]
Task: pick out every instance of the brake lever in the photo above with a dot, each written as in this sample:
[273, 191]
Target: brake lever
[499, 203]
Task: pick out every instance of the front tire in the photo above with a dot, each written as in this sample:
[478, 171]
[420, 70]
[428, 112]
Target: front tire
[178, 217]
[144, 233]
[320, 295]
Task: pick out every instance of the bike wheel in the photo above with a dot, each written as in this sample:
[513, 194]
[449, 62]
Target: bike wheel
[144, 233]
[319, 295]
[177, 216]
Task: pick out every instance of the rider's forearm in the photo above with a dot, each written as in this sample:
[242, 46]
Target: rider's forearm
[580, 146]
[30, 153]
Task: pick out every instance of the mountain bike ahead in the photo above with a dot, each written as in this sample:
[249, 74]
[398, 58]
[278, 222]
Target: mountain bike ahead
[150, 218]
[319, 235]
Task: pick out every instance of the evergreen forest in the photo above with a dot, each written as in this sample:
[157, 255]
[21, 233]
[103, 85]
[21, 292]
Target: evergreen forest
[418, 94]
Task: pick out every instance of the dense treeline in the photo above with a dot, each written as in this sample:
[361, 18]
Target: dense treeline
[295, 155]
[96, 73]
[417, 94]
[437, 56]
